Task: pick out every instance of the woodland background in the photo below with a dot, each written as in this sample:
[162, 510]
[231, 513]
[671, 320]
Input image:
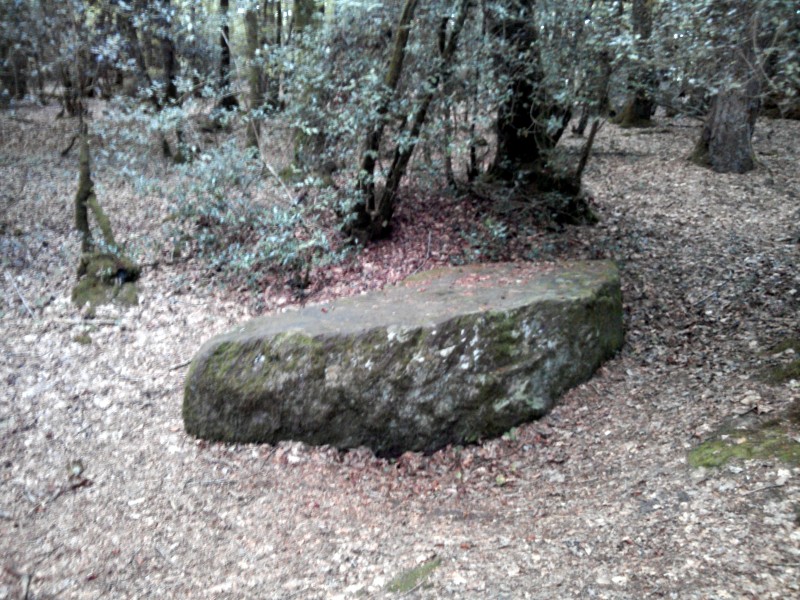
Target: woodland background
[662, 135]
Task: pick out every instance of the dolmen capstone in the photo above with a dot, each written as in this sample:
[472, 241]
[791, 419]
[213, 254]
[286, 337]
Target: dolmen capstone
[450, 356]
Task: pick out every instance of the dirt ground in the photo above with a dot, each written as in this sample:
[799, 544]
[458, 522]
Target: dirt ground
[102, 494]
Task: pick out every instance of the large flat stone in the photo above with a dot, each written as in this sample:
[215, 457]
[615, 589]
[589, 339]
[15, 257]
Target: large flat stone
[449, 356]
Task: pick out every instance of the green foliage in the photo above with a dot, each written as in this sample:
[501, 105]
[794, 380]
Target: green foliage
[486, 242]
[324, 85]
[220, 203]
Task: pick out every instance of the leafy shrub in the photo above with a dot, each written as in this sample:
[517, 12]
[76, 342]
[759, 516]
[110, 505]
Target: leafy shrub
[223, 204]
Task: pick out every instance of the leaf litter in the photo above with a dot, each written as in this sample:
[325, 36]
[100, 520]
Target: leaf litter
[103, 494]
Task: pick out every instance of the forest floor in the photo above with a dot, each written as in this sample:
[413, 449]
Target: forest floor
[595, 500]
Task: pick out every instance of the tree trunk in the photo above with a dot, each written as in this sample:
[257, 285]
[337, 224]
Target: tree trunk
[143, 81]
[367, 222]
[302, 14]
[86, 200]
[170, 76]
[640, 105]
[168, 60]
[725, 143]
[228, 101]
[599, 80]
[85, 190]
[525, 121]
[402, 153]
[254, 75]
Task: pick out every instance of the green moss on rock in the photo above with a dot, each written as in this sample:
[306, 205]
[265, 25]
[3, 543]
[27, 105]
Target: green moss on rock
[105, 278]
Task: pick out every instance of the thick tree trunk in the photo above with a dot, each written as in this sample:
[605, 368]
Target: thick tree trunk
[228, 101]
[725, 143]
[640, 105]
[367, 222]
[525, 117]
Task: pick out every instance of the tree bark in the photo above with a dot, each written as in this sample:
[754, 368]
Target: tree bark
[725, 143]
[135, 48]
[599, 80]
[228, 101]
[85, 190]
[254, 75]
[86, 200]
[639, 107]
[528, 123]
[168, 59]
[366, 222]
[302, 14]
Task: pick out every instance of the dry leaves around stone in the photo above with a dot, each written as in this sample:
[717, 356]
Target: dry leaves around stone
[103, 495]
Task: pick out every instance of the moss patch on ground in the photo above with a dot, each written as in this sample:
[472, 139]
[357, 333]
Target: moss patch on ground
[775, 439]
[785, 371]
[83, 338]
[409, 580]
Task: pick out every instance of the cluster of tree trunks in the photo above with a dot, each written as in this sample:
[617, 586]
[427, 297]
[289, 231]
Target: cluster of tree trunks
[528, 124]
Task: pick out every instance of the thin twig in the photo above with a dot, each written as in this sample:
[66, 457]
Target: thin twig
[10, 280]
[85, 321]
[66, 150]
[73, 485]
[180, 365]
[427, 255]
[206, 482]
[27, 578]
[761, 489]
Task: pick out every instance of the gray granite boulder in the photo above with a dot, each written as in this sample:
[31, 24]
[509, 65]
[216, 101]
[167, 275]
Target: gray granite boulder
[450, 356]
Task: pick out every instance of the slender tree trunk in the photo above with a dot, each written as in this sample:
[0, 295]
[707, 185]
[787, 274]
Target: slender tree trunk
[598, 102]
[132, 37]
[403, 153]
[168, 60]
[228, 101]
[302, 14]
[86, 200]
[85, 190]
[366, 223]
[170, 76]
[255, 79]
